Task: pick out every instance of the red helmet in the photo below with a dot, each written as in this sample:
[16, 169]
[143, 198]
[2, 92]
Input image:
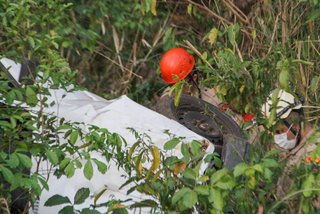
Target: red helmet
[176, 62]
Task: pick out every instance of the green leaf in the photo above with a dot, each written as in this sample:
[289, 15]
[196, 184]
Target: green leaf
[189, 173]
[314, 138]
[171, 144]
[213, 35]
[5, 124]
[102, 167]
[8, 175]
[177, 93]
[81, 195]
[258, 168]
[313, 15]
[25, 160]
[269, 163]
[67, 210]
[202, 190]
[31, 41]
[44, 183]
[31, 96]
[271, 152]
[217, 175]
[284, 79]
[74, 137]
[195, 147]
[307, 184]
[56, 200]
[216, 198]
[88, 211]
[179, 194]
[69, 170]
[88, 170]
[226, 183]
[190, 9]
[190, 199]
[314, 83]
[53, 158]
[64, 162]
[13, 161]
[268, 174]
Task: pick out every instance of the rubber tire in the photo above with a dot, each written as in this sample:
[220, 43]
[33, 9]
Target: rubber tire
[229, 149]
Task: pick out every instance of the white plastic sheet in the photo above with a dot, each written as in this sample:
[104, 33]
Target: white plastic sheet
[116, 116]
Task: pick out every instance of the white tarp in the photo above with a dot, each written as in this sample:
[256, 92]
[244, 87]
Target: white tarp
[116, 116]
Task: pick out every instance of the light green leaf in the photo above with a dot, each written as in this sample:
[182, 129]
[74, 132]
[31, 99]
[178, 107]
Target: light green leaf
[179, 194]
[313, 15]
[8, 175]
[216, 198]
[88, 170]
[269, 163]
[218, 175]
[258, 168]
[202, 190]
[25, 160]
[31, 96]
[102, 167]
[190, 9]
[13, 161]
[226, 183]
[74, 137]
[189, 173]
[81, 195]
[268, 174]
[69, 170]
[53, 158]
[284, 79]
[190, 199]
[171, 144]
[314, 83]
[31, 41]
[213, 35]
[308, 184]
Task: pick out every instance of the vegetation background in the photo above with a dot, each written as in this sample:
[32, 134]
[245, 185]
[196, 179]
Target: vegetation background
[247, 48]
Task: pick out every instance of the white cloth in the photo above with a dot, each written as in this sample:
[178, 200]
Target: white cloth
[116, 116]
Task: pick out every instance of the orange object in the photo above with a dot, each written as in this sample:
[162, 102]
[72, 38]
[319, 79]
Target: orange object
[308, 159]
[176, 64]
[317, 160]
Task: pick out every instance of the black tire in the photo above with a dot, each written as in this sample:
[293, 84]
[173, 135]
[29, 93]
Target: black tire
[210, 122]
[190, 106]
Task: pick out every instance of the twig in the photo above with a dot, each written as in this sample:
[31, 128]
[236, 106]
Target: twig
[199, 54]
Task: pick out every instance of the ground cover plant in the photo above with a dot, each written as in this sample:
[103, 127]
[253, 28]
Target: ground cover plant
[246, 48]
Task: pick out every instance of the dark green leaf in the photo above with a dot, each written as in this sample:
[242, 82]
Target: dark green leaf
[67, 210]
[56, 200]
[88, 211]
[81, 195]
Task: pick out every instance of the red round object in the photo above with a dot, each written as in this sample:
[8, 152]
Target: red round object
[176, 64]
